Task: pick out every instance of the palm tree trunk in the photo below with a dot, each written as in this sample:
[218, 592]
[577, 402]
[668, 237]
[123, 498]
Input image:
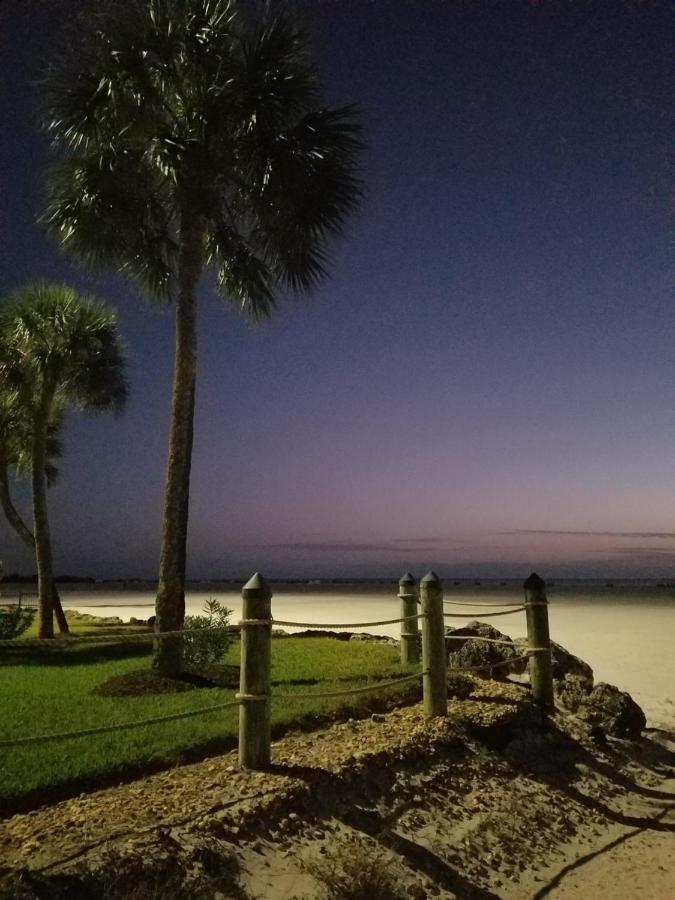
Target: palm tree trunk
[43, 546]
[26, 535]
[170, 604]
[11, 512]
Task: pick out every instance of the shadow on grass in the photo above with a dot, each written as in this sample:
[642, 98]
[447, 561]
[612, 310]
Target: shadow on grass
[74, 655]
[122, 774]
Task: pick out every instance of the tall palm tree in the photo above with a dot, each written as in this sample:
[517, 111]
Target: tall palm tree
[190, 136]
[58, 351]
[15, 443]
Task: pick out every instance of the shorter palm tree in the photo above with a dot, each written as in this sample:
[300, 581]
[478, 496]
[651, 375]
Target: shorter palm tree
[15, 443]
[58, 351]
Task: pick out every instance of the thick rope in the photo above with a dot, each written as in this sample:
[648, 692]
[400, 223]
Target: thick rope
[488, 665]
[480, 605]
[59, 643]
[488, 615]
[471, 637]
[123, 726]
[305, 695]
[325, 625]
[62, 643]
[501, 662]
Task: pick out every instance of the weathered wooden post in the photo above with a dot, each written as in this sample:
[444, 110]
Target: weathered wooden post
[540, 667]
[254, 679]
[434, 661]
[410, 632]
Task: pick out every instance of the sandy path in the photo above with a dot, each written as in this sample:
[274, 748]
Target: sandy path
[636, 866]
[626, 863]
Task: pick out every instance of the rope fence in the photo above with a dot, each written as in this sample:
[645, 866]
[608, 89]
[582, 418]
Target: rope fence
[346, 624]
[255, 694]
[487, 615]
[371, 688]
[63, 643]
[122, 726]
[478, 605]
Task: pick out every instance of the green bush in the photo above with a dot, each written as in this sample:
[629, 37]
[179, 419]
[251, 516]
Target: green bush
[201, 651]
[14, 621]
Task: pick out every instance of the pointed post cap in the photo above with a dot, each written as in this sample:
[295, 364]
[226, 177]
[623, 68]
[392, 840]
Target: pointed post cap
[534, 583]
[256, 586]
[431, 578]
[407, 580]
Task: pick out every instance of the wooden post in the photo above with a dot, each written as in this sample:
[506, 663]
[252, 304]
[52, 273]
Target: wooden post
[434, 660]
[254, 679]
[540, 667]
[410, 632]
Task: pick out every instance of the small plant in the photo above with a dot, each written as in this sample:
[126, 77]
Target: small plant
[14, 621]
[346, 875]
[203, 650]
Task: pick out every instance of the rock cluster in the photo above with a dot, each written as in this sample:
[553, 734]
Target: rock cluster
[486, 659]
[614, 711]
[602, 705]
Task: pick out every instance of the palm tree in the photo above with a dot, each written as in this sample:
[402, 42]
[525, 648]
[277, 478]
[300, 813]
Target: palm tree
[15, 443]
[190, 137]
[58, 350]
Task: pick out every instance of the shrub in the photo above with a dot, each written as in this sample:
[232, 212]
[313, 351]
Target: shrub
[347, 875]
[14, 621]
[203, 650]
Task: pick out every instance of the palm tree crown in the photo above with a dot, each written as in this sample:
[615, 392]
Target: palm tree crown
[54, 340]
[173, 108]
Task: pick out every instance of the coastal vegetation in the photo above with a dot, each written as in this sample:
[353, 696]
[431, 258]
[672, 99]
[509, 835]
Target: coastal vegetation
[191, 137]
[57, 688]
[59, 351]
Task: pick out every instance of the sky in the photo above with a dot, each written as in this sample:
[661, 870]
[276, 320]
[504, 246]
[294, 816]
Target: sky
[485, 383]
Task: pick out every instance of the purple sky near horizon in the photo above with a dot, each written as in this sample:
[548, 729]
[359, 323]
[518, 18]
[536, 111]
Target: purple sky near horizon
[485, 384]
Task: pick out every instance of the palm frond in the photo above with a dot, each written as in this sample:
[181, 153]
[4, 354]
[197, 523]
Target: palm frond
[111, 213]
[310, 185]
[242, 277]
[156, 101]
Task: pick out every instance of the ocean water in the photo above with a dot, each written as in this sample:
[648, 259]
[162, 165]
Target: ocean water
[624, 631]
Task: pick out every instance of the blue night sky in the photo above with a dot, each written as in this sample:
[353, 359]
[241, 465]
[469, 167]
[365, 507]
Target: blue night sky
[485, 383]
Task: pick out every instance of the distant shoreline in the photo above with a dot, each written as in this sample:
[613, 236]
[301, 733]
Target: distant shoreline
[28, 585]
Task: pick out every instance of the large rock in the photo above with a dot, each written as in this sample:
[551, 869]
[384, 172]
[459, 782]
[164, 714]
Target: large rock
[571, 691]
[614, 711]
[465, 651]
[565, 663]
[572, 677]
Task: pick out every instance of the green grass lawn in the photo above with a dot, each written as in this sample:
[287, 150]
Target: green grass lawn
[43, 692]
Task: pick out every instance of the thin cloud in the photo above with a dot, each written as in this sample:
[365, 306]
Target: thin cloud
[397, 546]
[421, 540]
[646, 553]
[331, 546]
[642, 535]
